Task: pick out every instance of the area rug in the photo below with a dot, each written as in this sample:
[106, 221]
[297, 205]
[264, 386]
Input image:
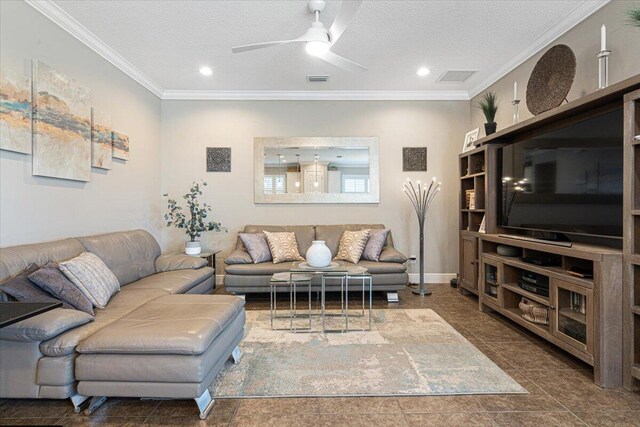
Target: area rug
[407, 353]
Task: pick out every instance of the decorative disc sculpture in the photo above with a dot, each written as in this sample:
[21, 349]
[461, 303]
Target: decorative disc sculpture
[551, 79]
[421, 197]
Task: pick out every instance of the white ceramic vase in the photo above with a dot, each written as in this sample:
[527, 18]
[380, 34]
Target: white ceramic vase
[192, 248]
[318, 255]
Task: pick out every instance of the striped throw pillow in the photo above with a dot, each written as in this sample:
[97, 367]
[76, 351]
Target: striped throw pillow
[92, 277]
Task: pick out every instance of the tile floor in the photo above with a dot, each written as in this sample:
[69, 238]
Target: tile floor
[561, 390]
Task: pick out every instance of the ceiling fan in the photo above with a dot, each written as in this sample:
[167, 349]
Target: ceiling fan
[318, 39]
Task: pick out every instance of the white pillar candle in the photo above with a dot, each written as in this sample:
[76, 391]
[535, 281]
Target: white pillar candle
[603, 38]
[515, 90]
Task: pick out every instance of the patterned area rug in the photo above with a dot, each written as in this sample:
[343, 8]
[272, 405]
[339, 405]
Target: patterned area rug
[407, 353]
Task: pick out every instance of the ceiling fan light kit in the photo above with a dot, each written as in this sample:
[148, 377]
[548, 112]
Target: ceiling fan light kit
[318, 40]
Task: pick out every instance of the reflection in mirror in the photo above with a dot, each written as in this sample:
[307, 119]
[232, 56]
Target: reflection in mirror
[316, 170]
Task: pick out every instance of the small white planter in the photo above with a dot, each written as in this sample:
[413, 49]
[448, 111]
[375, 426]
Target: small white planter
[192, 248]
[318, 255]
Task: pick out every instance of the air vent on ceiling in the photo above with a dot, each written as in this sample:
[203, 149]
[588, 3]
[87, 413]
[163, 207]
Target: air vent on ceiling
[456, 76]
[313, 78]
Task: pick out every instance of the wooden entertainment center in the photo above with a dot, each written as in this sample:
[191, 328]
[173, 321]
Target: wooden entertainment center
[585, 314]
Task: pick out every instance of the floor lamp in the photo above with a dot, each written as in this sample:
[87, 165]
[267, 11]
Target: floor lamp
[421, 197]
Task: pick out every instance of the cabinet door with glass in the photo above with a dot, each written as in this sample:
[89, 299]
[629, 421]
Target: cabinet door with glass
[572, 314]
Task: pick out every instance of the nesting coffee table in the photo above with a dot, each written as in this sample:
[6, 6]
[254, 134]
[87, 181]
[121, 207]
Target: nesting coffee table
[301, 275]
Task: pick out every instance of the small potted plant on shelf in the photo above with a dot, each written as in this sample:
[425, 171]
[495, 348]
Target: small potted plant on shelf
[489, 106]
[195, 225]
[634, 16]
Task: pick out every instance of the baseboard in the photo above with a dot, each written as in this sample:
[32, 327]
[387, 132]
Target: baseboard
[432, 277]
[413, 278]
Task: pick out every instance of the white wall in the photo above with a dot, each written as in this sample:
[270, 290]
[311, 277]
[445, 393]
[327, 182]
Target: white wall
[584, 39]
[190, 126]
[36, 209]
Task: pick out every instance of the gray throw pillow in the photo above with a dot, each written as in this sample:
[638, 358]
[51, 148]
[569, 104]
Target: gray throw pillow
[377, 239]
[22, 289]
[50, 279]
[257, 246]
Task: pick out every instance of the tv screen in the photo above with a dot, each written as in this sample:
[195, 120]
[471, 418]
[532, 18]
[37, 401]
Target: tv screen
[565, 181]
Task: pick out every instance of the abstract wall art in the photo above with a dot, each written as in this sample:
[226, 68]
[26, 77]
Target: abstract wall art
[414, 159]
[120, 146]
[15, 112]
[218, 159]
[101, 140]
[61, 125]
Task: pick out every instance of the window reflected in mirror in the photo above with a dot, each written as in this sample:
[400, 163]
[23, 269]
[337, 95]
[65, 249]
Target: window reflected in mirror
[316, 170]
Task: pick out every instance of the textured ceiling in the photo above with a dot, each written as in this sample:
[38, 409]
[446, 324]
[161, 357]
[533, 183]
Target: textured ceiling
[169, 41]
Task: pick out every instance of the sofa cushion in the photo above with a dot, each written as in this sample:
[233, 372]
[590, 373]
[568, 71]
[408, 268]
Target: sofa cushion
[257, 246]
[172, 262]
[264, 268]
[92, 277]
[375, 243]
[22, 289]
[122, 303]
[305, 234]
[45, 326]
[130, 255]
[172, 324]
[392, 255]
[50, 279]
[175, 281]
[331, 234]
[283, 246]
[374, 267]
[238, 256]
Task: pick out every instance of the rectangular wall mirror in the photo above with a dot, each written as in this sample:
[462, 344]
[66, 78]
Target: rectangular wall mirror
[316, 170]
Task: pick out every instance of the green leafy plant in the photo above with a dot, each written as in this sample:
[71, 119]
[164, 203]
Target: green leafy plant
[634, 16]
[489, 106]
[195, 225]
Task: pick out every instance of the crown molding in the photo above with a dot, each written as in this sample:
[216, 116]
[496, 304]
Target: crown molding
[327, 95]
[578, 15]
[52, 11]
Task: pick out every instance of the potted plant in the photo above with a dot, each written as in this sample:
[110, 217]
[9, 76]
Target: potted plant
[634, 16]
[489, 106]
[195, 225]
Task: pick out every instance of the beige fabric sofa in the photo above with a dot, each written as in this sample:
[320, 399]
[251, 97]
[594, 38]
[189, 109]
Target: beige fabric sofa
[242, 276]
[126, 348]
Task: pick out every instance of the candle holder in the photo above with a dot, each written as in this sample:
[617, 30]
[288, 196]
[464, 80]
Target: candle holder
[516, 111]
[603, 68]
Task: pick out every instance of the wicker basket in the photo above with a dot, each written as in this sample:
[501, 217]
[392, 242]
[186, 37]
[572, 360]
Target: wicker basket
[534, 312]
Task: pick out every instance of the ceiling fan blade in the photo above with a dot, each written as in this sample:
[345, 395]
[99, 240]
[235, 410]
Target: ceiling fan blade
[255, 46]
[341, 62]
[347, 11]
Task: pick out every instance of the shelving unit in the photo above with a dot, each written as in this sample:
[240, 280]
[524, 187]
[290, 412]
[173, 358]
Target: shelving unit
[583, 312]
[631, 319]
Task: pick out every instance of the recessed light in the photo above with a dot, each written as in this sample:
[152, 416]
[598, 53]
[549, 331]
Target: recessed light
[206, 71]
[423, 71]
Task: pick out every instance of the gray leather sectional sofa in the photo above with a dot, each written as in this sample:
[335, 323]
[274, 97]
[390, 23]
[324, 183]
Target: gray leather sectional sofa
[158, 337]
[242, 276]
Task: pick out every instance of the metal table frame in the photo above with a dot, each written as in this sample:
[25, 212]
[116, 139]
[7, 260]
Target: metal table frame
[274, 284]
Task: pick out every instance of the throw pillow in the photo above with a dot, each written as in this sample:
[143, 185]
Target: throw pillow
[50, 279]
[283, 246]
[22, 289]
[377, 239]
[94, 279]
[351, 245]
[257, 246]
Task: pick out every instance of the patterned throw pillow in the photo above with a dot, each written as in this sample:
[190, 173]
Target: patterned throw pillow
[94, 279]
[283, 246]
[377, 239]
[50, 279]
[257, 246]
[351, 245]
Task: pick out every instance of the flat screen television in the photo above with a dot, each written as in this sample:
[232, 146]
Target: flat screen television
[565, 182]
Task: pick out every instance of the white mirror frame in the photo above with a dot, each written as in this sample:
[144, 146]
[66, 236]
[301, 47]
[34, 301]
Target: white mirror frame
[260, 143]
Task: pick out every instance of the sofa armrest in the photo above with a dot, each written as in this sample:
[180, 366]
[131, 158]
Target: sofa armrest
[238, 256]
[45, 326]
[390, 254]
[172, 262]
